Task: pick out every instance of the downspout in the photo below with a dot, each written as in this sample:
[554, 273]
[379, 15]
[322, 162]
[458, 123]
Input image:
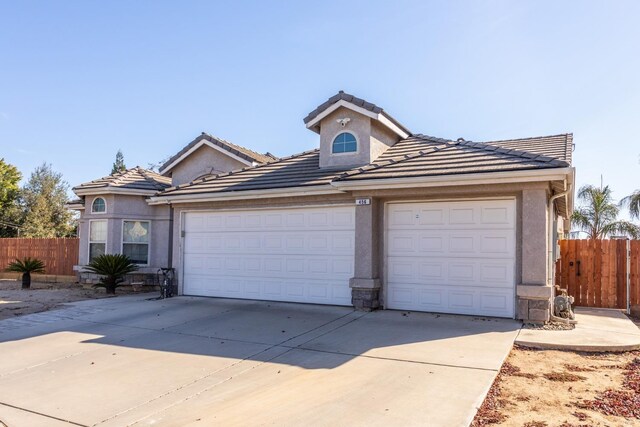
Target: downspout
[550, 261]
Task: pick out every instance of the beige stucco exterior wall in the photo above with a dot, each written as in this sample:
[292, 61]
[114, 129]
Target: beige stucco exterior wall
[535, 222]
[359, 126]
[128, 207]
[204, 161]
[381, 139]
[373, 139]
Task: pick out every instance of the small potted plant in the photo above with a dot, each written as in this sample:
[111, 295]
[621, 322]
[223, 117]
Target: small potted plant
[26, 266]
[112, 268]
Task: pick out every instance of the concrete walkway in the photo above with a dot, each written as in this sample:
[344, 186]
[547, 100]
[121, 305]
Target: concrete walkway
[598, 329]
[127, 361]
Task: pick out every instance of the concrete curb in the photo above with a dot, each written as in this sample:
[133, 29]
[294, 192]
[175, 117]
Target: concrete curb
[621, 348]
[597, 330]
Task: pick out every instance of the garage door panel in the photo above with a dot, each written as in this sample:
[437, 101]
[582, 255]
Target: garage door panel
[452, 257]
[498, 302]
[340, 218]
[450, 242]
[462, 300]
[473, 272]
[270, 266]
[444, 299]
[276, 289]
[497, 215]
[281, 242]
[500, 214]
[303, 255]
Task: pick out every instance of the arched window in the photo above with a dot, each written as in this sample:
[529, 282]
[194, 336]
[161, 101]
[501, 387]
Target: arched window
[98, 205]
[345, 143]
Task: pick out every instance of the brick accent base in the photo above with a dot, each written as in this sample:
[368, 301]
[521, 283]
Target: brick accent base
[365, 299]
[145, 278]
[534, 310]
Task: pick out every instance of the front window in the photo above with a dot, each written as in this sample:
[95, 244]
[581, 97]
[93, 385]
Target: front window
[345, 143]
[97, 238]
[98, 205]
[135, 241]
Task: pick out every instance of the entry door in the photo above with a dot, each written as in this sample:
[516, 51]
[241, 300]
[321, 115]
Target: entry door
[300, 255]
[452, 257]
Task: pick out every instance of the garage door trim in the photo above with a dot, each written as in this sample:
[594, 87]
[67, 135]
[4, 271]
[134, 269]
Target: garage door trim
[184, 233]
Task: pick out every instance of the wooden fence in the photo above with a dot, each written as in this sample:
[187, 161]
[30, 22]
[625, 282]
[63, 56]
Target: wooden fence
[595, 272]
[59, 255]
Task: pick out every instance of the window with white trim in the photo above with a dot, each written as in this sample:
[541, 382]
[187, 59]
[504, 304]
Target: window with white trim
[345, 143]
[99, 205]
[97, 238]
[135, 241]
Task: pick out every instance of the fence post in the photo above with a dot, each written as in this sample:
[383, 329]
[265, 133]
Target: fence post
[628, 253]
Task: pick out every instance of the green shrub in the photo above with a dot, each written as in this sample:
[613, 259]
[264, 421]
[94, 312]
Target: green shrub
[26, 266]
[113, 268]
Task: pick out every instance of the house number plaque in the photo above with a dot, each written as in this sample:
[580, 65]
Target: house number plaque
[363, 201]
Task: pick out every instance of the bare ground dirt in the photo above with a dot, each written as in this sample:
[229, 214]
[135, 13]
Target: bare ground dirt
[538, 388]
[15, 301]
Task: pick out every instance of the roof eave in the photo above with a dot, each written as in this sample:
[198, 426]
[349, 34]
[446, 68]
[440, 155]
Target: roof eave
[382, 117]
[483, 178]
[114, 190]
[75, 206]
[247, 194]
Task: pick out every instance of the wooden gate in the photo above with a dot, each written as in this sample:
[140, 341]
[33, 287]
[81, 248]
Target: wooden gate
[595, 272]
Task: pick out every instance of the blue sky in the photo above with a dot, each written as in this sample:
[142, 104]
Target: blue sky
[79, 80]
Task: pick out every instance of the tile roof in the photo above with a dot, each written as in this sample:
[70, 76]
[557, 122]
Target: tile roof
[242, 152]
[557, 146]
[422, 155]
[418, 155]
[359, 102]
[299, 170]
[136, 178]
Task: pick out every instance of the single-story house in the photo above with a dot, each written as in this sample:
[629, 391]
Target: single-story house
[376, 217]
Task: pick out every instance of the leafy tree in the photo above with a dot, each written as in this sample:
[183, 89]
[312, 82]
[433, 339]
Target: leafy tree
[43, 201]
[118, 165]
[9, 192]
[113, 268]
[633, 203]
[598, 216]
[26, 266]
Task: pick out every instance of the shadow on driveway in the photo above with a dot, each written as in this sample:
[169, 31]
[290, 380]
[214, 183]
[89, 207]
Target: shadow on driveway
[127, 360]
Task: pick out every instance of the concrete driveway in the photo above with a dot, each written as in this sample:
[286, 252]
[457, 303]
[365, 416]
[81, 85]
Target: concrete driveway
[199, 361]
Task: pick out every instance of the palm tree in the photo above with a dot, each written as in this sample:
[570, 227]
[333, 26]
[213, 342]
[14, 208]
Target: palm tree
[598, 216]
[26, 266]
[633, 203]
[113, 268]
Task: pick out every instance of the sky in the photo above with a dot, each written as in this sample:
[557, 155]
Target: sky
[80, 80]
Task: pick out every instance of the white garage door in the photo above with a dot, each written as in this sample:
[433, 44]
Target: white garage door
[300, 255]
[452, 257]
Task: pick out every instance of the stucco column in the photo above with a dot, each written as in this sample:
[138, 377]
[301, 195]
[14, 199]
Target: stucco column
[534, 237]
[365, 285]
[534, 296]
